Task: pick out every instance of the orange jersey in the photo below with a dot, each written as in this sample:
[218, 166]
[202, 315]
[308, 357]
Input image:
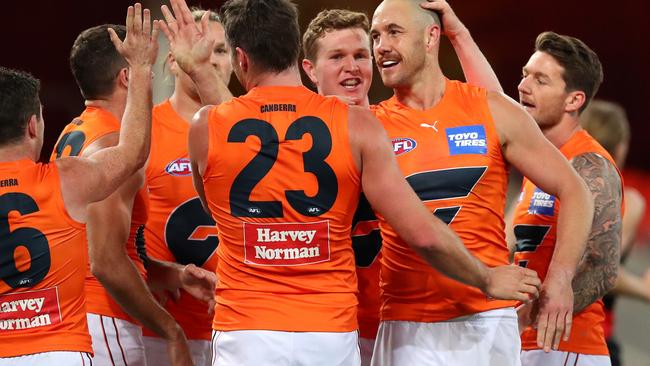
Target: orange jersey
[42, 260]
[451, 156]
[178, 229]
[366, 241]
[282, 185]
[91, 125]
[535, 231]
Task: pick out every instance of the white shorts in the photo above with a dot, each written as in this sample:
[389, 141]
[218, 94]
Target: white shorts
[490, 338]
[157, 354]
[366, 345]
[560, 358]
[274, 348]
[116, 342]
[58, 358]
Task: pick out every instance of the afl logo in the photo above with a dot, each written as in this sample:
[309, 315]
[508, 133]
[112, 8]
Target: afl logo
[179, 167]
[402, 145]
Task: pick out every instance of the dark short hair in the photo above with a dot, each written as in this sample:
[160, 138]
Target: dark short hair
[18, 102]
[607, 122]
[95, 62]
[582, 68]
[266, 29]
[327, 21]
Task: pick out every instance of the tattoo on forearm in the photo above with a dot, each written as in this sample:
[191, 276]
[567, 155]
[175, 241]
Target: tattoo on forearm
[597, 271]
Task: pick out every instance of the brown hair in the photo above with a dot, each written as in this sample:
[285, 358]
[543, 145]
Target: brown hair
[266, 29]
[18, 103]
[95, 62]
[582, 68]
[327, 21]
[607, 122]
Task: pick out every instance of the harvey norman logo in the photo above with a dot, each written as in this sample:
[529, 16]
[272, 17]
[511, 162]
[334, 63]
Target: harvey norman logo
[286, 244]
[30, 309]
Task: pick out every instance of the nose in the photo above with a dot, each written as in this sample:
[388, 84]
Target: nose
[350, 64]
[523, 85]
[380, 45]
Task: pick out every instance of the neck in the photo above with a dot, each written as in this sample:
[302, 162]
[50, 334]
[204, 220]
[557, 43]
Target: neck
[559, 133]
[184, 104]
[287, 77]
[365, 102]
[111, 104]
[16, 152]
[425, 92]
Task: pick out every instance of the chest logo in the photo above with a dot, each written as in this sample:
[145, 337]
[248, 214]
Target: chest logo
[467, 140]
[179, 167]
[402, 145]
[434, 126]
[541, 203]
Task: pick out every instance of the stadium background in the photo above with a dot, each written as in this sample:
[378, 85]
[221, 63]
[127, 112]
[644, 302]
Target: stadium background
[37, 36]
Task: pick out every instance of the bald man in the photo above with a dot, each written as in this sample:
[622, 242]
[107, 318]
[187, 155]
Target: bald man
[453, 142]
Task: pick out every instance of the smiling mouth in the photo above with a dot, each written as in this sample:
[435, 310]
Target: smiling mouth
[388, 64]
[526, 104]
[351, 83]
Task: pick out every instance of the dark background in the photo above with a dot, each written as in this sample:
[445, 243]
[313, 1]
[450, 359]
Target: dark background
[37, 37]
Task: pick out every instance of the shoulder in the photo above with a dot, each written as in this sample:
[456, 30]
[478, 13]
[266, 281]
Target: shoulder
[363, 124]
[108, 140]
[510, 119]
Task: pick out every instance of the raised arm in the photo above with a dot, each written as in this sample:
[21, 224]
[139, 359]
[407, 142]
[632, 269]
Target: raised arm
[198, 151]
[526, 148]
[191, 47]
[476, 67]
[103, 172]
[392, 197]
[598, 268]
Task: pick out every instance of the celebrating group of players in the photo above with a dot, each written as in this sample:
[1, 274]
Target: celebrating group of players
[310, 192]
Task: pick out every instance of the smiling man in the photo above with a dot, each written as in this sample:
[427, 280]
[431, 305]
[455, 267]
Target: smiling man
[338, 60]
[463, 139]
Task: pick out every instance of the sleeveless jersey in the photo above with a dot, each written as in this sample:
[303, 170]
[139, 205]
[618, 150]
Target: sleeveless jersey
[282, 185]
[91, 125]
[451, 156]
[535, 231]
[178, 229]
[43, 258]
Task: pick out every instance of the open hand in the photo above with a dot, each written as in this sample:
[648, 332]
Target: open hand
[555, 312]
[451, 25]
[190, 45]
[140, 46]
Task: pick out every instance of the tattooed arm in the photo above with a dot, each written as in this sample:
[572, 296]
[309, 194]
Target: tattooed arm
[596, 273]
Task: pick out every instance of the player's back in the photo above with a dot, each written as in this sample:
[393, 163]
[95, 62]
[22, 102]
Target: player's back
[178, 229]
[451, 156]
[281, 182]
[535, 229]
[77, 136]
[43, 258]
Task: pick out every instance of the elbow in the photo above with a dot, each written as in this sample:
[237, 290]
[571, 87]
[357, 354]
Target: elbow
[425, 245]
[99, 270]
[141, 158]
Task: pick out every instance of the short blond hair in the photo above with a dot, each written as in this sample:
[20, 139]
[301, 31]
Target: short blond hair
[327, 21]
[606, 122]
